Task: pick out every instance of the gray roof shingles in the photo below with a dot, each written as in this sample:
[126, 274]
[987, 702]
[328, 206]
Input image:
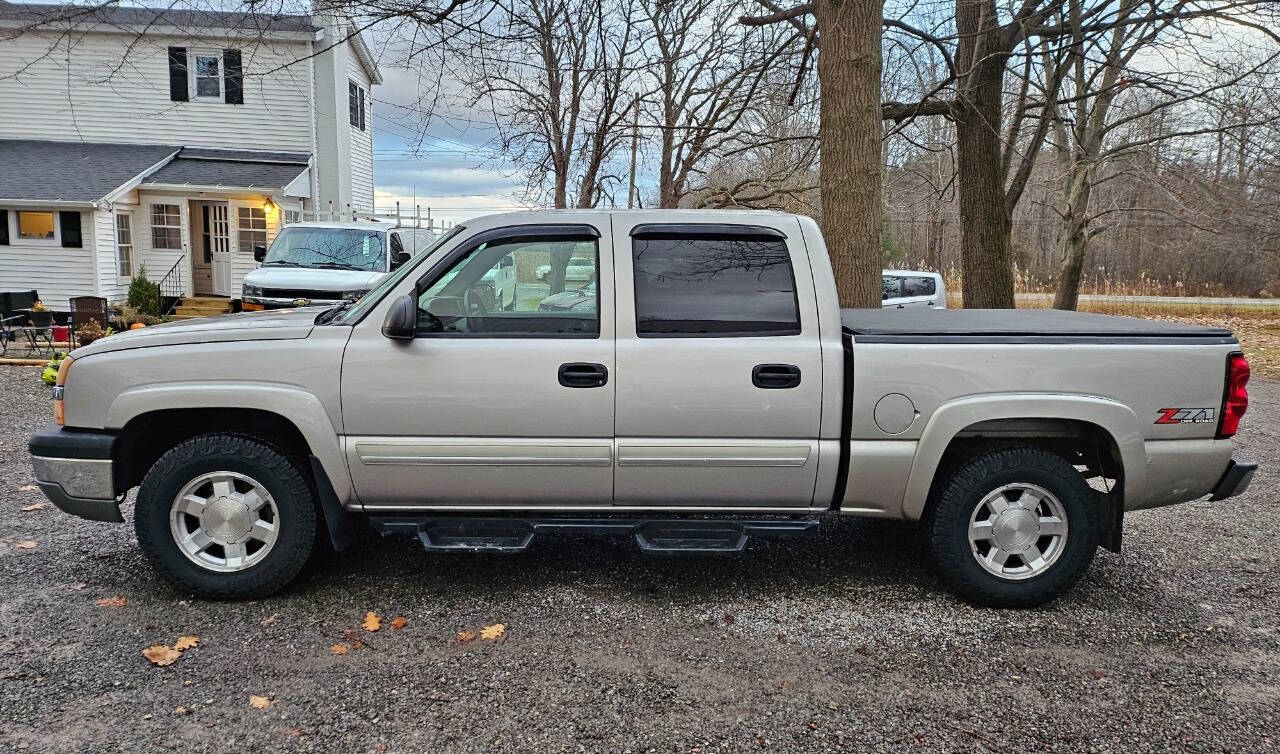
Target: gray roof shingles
[260, 176]
[71, 171]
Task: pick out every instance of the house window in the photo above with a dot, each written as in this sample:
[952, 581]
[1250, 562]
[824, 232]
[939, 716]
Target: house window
[166, 227]
[208, 75]
[252, 224]
[292, 216]
[355, 104]
[124, 244]
[35, 225]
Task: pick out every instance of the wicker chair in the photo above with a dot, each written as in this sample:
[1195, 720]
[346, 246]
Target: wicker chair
[83, 309]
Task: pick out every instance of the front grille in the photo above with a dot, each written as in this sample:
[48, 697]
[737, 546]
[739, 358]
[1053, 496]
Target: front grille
[291, 294]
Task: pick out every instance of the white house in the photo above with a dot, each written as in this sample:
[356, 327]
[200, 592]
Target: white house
[175, 139]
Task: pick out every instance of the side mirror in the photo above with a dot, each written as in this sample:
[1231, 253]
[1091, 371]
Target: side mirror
[401, 319]
[259, 253]
[398, 258]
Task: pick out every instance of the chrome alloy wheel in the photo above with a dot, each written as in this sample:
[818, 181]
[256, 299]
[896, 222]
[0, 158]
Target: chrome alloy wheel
[225, 522]
[1018, 531]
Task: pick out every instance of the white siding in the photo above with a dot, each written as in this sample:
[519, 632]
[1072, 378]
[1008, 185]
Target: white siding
[361, 142]
[110, 285]
[119, 97]
[158, 261]
[242, 264]
[56, 273]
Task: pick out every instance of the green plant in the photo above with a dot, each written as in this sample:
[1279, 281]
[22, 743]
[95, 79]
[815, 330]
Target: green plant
[39, 307]
[144, 295]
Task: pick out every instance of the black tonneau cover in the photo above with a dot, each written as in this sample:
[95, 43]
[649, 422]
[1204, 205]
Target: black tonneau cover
[1018, 326]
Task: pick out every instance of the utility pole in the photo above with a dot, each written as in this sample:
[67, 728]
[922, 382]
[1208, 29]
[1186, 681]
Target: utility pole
[635, 140]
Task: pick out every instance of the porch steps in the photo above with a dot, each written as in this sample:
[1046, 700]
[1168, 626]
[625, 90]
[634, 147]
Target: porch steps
[192, 307]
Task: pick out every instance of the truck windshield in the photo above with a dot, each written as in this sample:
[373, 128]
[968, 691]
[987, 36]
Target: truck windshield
[371, 299]
[339, 248]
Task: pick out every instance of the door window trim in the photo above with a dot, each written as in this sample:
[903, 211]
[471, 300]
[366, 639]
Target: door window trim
[530, 231]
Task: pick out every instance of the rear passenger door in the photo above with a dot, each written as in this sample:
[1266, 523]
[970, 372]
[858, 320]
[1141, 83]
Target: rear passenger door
[719, 374]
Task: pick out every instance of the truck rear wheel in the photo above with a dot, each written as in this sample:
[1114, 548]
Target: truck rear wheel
[226, 516]
[1011, 528]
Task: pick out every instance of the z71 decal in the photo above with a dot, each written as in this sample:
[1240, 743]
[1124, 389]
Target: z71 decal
[1185, 416]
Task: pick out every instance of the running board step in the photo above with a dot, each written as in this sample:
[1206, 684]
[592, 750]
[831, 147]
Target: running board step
[656, 536]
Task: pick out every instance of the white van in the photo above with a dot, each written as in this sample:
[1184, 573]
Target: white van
[912, 289]
[325, 263]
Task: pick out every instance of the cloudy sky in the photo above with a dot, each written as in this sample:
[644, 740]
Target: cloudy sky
[445, 160]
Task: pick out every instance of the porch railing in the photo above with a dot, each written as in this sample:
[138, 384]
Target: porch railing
[172, 287]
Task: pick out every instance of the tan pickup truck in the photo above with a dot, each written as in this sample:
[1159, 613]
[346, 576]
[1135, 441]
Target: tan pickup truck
[707, 388]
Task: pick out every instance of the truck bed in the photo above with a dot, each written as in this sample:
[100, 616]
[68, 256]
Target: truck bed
[1018, 326]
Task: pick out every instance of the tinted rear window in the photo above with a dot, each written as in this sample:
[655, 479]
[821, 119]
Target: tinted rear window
[704, 286]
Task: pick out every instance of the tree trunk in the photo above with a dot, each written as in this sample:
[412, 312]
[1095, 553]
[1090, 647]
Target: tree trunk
[1075, 241]
[852, 211]
[986, 253]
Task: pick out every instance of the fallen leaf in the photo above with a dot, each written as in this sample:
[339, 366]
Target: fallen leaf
[32, 507]
[112, 602]
[785, 685]
[182, 711]
[270, 619]
[27, 544]
[357, 644]
[340, 649]
[351, 634]
[186, 642]
[294, 732]
[1096, 675]
[371, 621]
[187, 682]
[161, 654]
[259, 702]
[466, 636]
[494, 632]
[398, 623]
[28, 488]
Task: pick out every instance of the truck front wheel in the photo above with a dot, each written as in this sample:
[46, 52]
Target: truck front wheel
[1011, 528]
[226, 516]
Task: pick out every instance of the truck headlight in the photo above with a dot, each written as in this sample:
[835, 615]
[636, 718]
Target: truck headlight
[353, 295]
[252, 290]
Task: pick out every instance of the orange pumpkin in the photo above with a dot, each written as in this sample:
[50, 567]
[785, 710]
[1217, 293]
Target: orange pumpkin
[136, 326]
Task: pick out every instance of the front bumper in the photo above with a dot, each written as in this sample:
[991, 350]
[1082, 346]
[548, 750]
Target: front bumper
[75, 471]
[1235, 480]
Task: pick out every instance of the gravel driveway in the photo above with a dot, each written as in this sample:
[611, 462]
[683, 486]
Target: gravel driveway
[839, 641]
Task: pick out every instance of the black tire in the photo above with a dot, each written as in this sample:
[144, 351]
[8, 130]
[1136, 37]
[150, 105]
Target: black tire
[274, 469]
[960, 495]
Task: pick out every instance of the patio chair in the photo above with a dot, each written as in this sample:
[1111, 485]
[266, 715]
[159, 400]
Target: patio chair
[83, 309]
[11, 302]
[10, 327]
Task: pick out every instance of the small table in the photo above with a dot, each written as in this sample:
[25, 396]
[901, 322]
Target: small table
[38, 338]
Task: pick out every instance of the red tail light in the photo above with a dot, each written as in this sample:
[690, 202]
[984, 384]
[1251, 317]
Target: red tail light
[1235, 398]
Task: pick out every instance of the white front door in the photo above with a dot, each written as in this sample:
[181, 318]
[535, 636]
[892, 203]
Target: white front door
[220, 242]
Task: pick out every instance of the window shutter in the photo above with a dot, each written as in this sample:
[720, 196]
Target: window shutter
[361, 108]
[234, 77]
[178, 74]
[70, 222]
[4, 227]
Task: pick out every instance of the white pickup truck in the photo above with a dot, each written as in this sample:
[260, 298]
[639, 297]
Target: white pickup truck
[715, 390]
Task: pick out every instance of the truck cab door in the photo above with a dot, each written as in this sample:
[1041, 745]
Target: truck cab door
[484, 407]
[719, 380]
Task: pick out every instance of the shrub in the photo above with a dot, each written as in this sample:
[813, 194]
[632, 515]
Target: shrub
[130, 315]
[91, 331]
[144, 295]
